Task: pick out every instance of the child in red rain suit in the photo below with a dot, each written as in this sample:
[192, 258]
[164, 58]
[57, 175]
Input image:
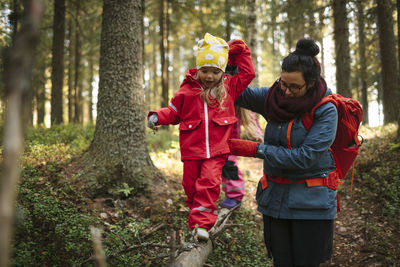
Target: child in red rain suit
[204, 108]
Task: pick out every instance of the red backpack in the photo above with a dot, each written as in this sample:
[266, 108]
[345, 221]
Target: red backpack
[346, 145]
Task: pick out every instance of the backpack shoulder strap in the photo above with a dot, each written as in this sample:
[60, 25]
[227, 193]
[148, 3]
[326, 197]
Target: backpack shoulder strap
[308, 117]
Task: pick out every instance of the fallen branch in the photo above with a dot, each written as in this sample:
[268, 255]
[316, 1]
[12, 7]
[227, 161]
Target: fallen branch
[196, 254]
[99, 255]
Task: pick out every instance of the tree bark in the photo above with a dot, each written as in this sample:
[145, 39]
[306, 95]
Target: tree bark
[342, 48]
[164, 52]
[40, 84]
[388, 60]
[154, 70]
[58, 62]
[78, 116]
[118, 153]
[398, 58]
[70, 73]
[18, 70]
[90, 91]
[198, 254]
[228, 27]
[362, 58]
[252, 35]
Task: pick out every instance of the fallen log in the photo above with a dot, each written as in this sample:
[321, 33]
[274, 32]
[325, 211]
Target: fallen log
[196, 254]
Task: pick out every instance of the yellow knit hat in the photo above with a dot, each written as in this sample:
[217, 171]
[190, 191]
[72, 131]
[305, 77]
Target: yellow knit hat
[212, 52]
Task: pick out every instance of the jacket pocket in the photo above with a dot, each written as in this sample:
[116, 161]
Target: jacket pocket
[189, 125]
[224, 121]
[263, 197]
[309, 198]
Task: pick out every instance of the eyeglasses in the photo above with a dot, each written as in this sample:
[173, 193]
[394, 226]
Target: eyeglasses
[293, 88]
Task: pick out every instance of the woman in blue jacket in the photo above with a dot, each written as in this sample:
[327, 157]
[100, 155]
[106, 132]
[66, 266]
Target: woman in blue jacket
[298, 209]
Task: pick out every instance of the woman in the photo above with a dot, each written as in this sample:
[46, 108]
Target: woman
[298, 214]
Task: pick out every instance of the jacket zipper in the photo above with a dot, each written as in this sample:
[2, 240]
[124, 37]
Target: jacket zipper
[206, 127]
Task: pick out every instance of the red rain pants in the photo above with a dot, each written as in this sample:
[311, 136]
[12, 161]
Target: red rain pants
[201, 182]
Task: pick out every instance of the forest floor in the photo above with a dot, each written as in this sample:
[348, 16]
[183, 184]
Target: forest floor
[350, 248]
[361, 226]
[54, 213]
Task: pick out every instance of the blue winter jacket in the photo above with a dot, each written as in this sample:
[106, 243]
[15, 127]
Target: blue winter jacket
[308, 157]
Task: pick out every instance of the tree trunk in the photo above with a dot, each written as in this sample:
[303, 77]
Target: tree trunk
[363, 61]
[398, 58]
[118, 153]
[78, 90]
[342, 49]
[71, 105]
[252, 35]
[14, 19]
[58, 62]
[90, 92]
[197, 255]
[228, 26]
[18, 70]
[164, 52]
[321, 26]
[388, 60]
[154, 70]
[27, 105]
[40, 85]
[146, 84]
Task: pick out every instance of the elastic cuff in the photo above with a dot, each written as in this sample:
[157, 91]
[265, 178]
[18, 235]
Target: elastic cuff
[260, 151]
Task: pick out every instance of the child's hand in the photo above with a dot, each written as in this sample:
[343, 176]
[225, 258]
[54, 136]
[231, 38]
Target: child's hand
[235, 47]
[152, 121]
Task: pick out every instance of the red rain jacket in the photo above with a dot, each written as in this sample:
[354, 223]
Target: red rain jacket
[204, 129]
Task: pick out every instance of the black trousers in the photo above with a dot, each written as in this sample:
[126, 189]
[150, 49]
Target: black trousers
[298, 242]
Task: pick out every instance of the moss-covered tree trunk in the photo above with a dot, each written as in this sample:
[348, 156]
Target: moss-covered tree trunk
[118, 153]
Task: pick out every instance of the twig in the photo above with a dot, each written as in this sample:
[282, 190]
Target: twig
[156, 228]
[145, 244]
[99, 255]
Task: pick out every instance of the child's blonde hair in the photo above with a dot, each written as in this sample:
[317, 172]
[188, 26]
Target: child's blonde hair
[252, 129]
[216, 97]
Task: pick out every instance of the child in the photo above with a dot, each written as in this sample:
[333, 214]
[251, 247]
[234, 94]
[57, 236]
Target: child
[203, 106]
[232, 176]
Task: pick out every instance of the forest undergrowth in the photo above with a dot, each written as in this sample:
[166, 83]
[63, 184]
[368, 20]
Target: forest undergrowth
[54, 215]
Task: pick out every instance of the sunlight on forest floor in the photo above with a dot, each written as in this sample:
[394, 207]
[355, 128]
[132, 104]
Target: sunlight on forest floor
[169, 163]
[371, 132]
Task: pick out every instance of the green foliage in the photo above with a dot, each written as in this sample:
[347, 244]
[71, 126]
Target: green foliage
[71, 134]
[378, 192]
[52, 219]
[52, 226]
[242, 244]
[126, 190]
[163, 140]
[380, 174]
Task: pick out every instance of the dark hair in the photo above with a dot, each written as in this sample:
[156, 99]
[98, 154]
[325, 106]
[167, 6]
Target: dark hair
[303, 59]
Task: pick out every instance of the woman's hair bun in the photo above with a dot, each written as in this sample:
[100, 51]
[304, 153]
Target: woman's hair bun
[307, 47]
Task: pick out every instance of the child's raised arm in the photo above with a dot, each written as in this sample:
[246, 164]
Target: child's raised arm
[239, 54]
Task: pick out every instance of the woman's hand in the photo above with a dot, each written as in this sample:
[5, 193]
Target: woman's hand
[244, 148]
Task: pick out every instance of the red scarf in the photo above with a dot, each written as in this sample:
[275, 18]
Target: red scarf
[280, 108]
